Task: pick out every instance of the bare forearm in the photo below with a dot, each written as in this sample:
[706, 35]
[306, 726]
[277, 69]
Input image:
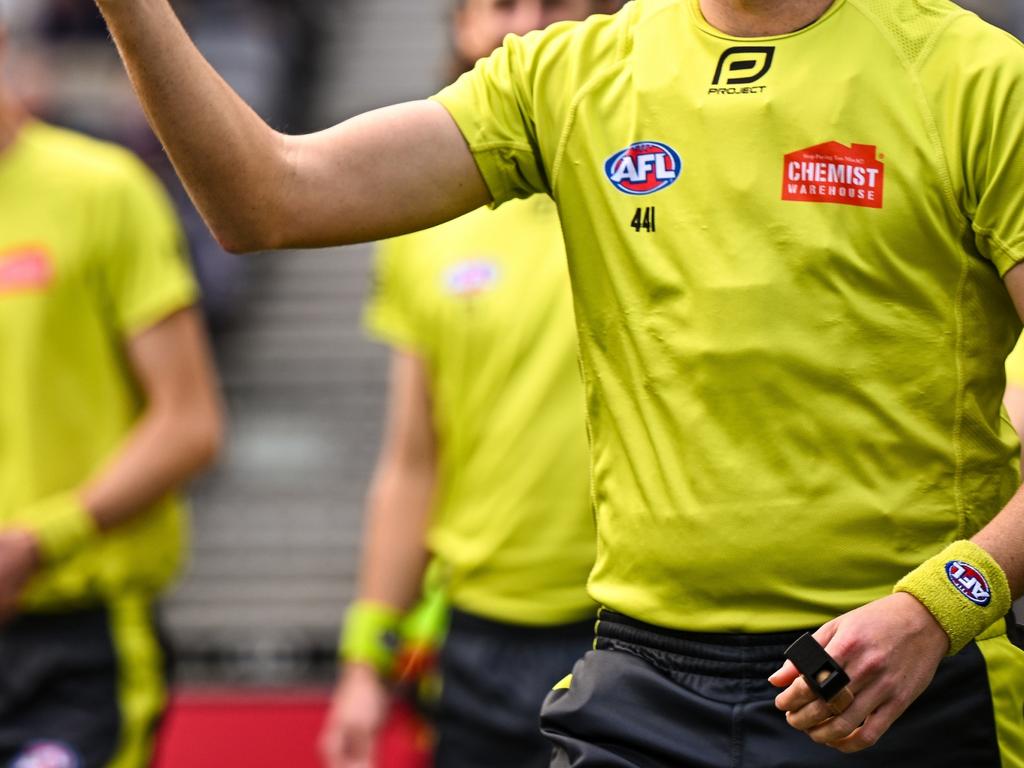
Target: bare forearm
[394, 544]
[231, 161]
[1003, 538]
[385, 173]
[163, 453]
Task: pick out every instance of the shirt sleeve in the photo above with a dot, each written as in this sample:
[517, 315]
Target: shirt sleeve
[514, 107]
[142, 256]
[493, 108]
[390, 315]
[988, 152]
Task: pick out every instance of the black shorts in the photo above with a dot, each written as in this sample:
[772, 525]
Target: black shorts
[81, 689]
[494, 678]
[653, 698]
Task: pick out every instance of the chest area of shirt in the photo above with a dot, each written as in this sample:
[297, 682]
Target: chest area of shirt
[482, 293]
[44, 272]
[786, 137]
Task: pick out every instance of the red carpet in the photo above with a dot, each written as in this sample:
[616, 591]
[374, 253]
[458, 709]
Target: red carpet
[224, 729]
[253, 729]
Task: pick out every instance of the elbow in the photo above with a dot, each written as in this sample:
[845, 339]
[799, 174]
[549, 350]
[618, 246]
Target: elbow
[204, 440]
[260, 217]
[233, 244]
[246, 237]
[209, 441]
[208, 447]
[256, 216]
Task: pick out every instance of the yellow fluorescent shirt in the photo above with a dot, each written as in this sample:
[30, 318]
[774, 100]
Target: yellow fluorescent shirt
[1015, 366]
[485, 302]
[785, 256]
[90, 254]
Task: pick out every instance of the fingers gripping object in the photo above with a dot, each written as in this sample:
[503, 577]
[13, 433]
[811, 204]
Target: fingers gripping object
[822, 673]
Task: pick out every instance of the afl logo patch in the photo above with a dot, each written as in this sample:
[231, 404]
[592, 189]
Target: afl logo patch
[470, 278]
[25, 269]
[969, 581]
[47, 754]
[644, 168]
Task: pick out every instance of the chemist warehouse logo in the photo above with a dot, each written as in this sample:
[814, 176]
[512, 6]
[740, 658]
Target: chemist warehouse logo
[835, 173]
[644, 168]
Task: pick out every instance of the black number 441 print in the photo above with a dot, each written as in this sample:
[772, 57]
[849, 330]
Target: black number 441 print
[644, 220]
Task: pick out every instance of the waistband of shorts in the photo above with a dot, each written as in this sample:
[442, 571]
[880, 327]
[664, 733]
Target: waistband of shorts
[738, 655]
[460, 621]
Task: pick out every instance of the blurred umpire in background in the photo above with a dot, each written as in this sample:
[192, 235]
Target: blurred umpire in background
[108, 404]
[484, 465]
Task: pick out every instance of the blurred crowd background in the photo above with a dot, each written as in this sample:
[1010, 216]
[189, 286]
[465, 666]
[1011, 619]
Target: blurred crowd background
[277, 525]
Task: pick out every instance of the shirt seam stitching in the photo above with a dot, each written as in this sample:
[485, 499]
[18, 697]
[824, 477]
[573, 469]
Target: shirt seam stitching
[492, 146]
[1013, 248]
[622, 51]
[925, 107]
[914, 69]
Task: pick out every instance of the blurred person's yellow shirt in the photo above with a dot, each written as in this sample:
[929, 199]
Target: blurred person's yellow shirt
[786, 269]
[484, 301]
[90, 254]
[1015, 365]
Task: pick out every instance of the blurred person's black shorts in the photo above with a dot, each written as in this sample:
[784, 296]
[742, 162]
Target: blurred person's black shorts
[648, 697]
[494, 677]
[81, 689]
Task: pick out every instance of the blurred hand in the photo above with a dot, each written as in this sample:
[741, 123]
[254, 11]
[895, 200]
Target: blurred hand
[19, 558]
[358, 711]
[890, 648]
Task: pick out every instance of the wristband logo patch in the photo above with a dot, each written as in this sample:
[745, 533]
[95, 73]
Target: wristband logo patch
[644, 168]
[969, 581]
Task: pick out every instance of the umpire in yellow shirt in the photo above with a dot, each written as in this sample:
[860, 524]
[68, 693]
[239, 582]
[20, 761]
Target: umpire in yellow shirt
[795, 231]
[484, 467]
[108, 404]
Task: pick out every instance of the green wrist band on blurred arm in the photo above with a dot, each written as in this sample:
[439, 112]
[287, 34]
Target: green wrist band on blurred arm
[62, 525]
[370, 636]
[964, 588]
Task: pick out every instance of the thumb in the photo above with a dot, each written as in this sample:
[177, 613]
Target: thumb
[787, 674]
[784, 676]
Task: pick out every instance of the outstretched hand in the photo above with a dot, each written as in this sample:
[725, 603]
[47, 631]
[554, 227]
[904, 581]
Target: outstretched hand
[890, 649]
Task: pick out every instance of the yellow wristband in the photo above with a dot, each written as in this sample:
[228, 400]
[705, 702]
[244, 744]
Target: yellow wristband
[62, 526]
[963, 588]
[370, 636]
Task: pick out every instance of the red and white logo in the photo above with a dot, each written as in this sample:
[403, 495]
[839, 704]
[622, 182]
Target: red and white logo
[971, 582]
[47, 754]
[834, 173]
[471, 277]
[644, 168]
[25, 269]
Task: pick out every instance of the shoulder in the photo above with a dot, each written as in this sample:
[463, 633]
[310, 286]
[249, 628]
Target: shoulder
[572, 52]
[930, 32]
[80, 159]
[973, 43]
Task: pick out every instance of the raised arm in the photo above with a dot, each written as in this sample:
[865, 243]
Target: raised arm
[384, 173]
